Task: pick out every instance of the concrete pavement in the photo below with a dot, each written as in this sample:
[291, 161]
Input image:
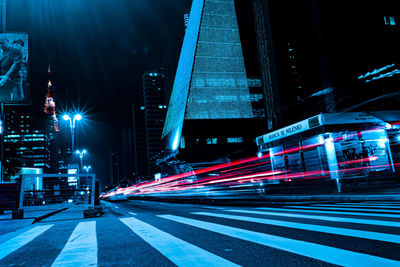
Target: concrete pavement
[144, 233]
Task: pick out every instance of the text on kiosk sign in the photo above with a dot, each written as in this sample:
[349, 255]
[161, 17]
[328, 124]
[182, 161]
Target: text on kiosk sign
[290, 130]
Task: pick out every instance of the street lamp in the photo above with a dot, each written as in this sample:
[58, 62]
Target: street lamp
[87, 168]
[77, 117]
[81, 153]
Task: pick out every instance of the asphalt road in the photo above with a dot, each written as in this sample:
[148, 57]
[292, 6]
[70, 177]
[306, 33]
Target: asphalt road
[145, 233]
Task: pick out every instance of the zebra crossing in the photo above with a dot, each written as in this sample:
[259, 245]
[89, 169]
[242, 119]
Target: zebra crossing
[360, 221]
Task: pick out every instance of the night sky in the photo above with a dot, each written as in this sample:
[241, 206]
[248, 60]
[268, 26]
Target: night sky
[98, 49]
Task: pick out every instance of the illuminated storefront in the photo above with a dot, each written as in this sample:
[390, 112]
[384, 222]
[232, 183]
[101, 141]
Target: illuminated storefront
[335, 146]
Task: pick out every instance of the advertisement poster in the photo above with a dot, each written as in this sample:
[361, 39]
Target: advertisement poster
[14, 67]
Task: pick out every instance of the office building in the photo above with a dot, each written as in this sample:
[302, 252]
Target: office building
[214, 112]
[154, 112]
[25, 140]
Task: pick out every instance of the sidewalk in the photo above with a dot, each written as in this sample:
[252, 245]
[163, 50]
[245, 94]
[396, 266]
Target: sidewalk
[46, 213]
[35, 212]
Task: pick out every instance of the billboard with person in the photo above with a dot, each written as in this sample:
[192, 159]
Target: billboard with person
[14, 66]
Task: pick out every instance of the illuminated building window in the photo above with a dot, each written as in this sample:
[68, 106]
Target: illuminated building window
[389, 21]
[256, 97]
[234, 140]
[211, 141]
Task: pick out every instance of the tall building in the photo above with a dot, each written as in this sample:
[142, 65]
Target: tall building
[154, 112]
[139, 141]
[212, 112]
[25, 141]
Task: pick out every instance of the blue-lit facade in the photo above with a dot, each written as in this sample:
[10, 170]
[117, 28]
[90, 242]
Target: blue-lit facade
[216, 108]
[26, 140]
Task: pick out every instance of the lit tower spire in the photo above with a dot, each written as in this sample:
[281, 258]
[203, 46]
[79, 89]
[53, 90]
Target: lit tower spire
[50, 104]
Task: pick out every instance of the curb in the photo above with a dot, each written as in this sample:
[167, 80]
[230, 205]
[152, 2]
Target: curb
[38, 219]
[395, 197]
[277, 199]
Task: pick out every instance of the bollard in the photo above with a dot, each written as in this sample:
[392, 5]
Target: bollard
[96, 194]
[17, 214]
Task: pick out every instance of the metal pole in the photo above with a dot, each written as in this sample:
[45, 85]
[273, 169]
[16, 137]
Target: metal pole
[3, 21]
[93, 190]
[3, 14]
[72, 126]
[2, 144]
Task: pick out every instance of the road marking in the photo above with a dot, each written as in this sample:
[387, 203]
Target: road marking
[132, 213]
[316, 251]
[335, 212]
[343, 209]
[324, 218]
[358, 206]
[311, 227]
[81, 247]
[22, 239]
[367, 203]
[176, 250]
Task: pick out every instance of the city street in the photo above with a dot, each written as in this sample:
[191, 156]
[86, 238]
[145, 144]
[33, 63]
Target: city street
[146, 233]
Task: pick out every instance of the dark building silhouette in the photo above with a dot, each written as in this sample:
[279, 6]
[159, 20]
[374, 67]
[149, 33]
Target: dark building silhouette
[154, 112]
[139, 141]
[328, 56]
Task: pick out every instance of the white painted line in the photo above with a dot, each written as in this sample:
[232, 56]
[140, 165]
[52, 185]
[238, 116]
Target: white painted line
[323, 218]
[81, 247]
[343, 209]
[311, 227]
[358, 206]
[22, 239]
[176, 250]
[132, 213]
[320, 252]
[376, 204]
[335, 212]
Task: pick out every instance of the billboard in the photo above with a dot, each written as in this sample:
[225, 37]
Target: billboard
[14, 65]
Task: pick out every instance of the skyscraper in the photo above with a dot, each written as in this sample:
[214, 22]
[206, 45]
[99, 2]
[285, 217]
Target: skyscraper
[210, 112]
[139, 141]
[25, 141]
[154, 112]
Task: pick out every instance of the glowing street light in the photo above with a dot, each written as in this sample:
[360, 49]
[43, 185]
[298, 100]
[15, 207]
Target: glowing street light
[81, 153]
[77, 117]
[87, 168]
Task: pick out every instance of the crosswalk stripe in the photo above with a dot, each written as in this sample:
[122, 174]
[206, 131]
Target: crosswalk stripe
[397, 204]
[335, 212]
[22, 239]
[132, 213]
[176, 250]
[81, 248]
[357, 206]
[320, 252]
[343, 209]
[311, 227]
[324, 218]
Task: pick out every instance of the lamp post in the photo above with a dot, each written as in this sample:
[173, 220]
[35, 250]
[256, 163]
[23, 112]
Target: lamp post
[87, 168]
[81, 153]
[77, 117]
